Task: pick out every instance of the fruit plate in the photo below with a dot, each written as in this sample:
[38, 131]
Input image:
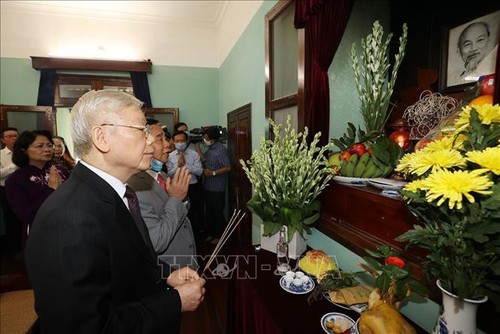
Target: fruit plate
[353, 181]
[386, 184]
[340, 319]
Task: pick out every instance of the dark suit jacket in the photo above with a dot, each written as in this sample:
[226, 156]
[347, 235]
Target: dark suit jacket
[90, 269]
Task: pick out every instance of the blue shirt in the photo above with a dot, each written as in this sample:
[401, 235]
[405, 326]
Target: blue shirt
[193, 164]
[217, 157]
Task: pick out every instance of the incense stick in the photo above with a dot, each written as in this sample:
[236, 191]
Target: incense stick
[231, 226]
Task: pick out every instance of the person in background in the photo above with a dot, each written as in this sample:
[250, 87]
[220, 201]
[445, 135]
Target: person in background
[181, 126]
[170, 147]
[217, 165]
[185, 156]
[35, 179]
[89, 256]
[10, 227]
[161, 203]
[61, 154]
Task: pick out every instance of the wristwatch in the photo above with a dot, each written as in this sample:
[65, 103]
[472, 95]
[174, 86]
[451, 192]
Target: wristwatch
[213, 173]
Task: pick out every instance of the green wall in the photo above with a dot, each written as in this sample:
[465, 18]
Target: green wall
[18, 82]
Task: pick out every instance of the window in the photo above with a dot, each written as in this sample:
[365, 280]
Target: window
[285, 57]
[70, 87]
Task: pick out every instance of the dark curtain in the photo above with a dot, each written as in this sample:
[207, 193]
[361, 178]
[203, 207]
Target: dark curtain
[141, 87]
[46, 87]
[325, 22]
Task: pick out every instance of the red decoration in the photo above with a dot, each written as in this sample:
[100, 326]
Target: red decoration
[394, 260]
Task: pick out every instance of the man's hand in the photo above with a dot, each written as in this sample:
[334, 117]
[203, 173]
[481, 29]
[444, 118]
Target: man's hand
[182, 160]
[178, 185]
[181, 276]
[191, 294]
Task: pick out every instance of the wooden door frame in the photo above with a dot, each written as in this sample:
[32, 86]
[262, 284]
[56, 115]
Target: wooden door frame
[245, 228]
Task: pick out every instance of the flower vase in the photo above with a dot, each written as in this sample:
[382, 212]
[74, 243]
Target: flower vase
[296, 246]
[458, 316]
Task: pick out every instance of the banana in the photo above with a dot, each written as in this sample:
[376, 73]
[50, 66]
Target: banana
[349, 168]
[386, 171]
[370, 169]
[343, 167]
[354, 159]
[360, 166]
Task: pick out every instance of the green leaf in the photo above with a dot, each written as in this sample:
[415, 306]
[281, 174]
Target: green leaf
[382, 282]
[372, 263]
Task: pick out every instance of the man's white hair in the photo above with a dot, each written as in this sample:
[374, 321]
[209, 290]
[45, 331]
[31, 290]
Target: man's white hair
[95, 108]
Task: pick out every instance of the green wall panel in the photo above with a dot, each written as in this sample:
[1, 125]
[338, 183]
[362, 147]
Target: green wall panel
[18, 82]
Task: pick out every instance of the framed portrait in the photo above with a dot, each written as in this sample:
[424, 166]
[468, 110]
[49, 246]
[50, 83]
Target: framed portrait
[468, 51]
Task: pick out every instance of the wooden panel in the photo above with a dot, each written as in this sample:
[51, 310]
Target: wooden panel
[91, 64]
[361, 218]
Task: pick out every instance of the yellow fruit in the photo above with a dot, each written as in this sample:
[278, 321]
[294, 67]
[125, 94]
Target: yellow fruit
[483, 99]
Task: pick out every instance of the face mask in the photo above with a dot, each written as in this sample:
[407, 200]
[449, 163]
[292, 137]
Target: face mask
[207, 142]
[156, 165]
[180, 146]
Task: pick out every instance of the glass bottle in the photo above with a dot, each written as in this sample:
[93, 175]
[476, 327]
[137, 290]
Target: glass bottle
[282, 251]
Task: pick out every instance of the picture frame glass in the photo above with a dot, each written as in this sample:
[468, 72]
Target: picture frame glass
[472, 50]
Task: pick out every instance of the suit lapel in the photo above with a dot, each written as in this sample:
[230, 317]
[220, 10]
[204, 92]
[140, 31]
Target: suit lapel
[122, 215]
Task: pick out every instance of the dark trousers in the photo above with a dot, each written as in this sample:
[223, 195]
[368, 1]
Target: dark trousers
[195, 213]
[12, 225]
[215, 202]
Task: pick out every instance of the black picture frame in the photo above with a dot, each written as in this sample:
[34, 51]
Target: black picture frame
[452, 74]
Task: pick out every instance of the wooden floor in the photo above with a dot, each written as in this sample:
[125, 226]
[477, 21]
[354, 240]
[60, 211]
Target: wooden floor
[209, 318]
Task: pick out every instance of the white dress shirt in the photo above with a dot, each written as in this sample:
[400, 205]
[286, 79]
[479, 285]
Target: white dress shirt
[7, 167]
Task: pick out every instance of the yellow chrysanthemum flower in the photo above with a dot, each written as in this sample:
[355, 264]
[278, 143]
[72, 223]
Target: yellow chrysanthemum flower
[462, 121]
[414, 186]
[422, 161]
[444, 143]
[488, 159]
[488, 113]
[454, 186]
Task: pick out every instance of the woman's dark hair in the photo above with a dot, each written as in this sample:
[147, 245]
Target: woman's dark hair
[20, 155]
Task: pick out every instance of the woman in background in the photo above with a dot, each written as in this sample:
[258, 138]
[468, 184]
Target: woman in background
[61, 154]
[35, 179]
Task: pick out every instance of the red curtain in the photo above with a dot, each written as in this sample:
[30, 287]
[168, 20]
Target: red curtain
[325, 22]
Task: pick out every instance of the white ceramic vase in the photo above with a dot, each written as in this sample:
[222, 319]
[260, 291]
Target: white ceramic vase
[296, 247]
[457, 317]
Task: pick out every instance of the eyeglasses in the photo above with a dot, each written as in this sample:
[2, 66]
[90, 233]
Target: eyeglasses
[144, 128]
[42, 146]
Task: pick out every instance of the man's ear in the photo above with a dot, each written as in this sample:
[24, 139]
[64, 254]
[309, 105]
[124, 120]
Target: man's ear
[100, 139]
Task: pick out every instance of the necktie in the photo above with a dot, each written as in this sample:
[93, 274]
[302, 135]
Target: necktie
[161, 181]
[133, 205]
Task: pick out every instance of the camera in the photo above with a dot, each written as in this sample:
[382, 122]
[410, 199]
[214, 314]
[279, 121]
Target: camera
[196, 134]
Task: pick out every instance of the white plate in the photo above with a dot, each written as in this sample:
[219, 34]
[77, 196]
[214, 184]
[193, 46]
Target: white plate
[354, 329]
[353, 181]
[334, 316]
[386, 184]
[356, 307]
[304, 288]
